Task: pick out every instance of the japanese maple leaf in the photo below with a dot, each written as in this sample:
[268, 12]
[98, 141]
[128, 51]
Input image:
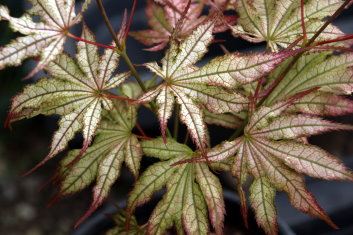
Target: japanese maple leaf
[332, 73]
[193, 86]
[115, 143]
[279, 22]
[191, 191]
[163, 21]
[45, 38]
[77, 92]
[272, 151]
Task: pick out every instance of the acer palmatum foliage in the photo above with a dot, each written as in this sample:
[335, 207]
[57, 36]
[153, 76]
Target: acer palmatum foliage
[273, 100]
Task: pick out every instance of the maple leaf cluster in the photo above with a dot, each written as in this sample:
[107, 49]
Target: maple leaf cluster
[273, 100]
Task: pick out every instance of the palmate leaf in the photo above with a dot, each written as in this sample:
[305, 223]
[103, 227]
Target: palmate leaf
[332, 73]
[102, 162]
[45, 38]
[77, 93]
[279, 22]
[190, 86]
[271, 151]
[164, 19]
[191, 189]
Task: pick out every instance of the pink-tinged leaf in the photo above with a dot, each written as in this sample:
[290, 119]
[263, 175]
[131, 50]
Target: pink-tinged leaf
[280, 24]
[262, 200]
[236, 69]
[295, 126]
[108, 172]
[325, 104]
[45, 38]
[289, 181]
[332, 73]
[165, 102]
[307, 159]
[212, 190]
[157, 18]
[149, 37]
[225, 23]
[102, 161]
[192, 116]
[190, 51]
[83, 172]
[71, 95]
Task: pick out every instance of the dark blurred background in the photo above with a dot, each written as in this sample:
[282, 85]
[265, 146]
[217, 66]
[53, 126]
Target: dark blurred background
[23, 207]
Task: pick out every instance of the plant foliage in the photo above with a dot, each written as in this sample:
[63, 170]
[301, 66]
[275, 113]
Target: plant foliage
[273, 100]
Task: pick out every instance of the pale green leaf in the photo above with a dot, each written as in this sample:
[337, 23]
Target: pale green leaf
[194, 209]
[212, 190]
[152, 180]
[171, 205]
[262, 200]
[164, 151]
[331, 73]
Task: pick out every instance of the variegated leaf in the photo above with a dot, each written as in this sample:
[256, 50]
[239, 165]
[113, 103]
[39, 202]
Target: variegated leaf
[270, 151]
[114, 145]
[79, 100]
[157, 148]
[262, 200]
[191, 189]
[332, 73]
[165, 22]
[323, 104]
[279, 22]
[212, 190]
[177, 64]
[45, 38]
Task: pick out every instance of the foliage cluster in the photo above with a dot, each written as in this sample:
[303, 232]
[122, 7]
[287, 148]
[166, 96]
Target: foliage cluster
[273, 100]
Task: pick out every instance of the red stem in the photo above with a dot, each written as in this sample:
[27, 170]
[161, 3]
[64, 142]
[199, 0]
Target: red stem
[119, 97]
[130, 18]
[144, 137]
[93, 43]
[302, 19]
[348, 37]
[138, 126]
